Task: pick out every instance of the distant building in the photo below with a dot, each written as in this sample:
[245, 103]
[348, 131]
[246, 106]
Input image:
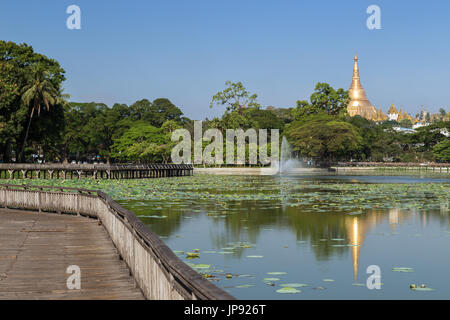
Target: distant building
[392, 113]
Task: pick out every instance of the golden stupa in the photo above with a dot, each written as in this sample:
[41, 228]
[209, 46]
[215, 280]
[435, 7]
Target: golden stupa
[392, 110]
[359, 104]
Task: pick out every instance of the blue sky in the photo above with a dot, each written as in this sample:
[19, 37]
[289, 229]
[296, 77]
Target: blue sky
[186, 50]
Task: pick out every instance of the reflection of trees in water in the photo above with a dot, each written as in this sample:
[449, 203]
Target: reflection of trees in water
[243, 221]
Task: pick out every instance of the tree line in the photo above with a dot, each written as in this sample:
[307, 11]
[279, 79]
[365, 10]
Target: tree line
[37, 123]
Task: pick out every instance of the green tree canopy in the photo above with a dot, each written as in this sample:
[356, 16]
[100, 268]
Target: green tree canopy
[442, 151]
[235, 97]
[324, 138]
[324, 99]
[21, 69]
[142, 142]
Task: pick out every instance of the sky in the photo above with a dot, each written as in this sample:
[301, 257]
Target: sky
[186, 50]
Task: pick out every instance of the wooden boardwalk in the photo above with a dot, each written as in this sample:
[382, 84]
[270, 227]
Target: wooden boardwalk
[36, 249]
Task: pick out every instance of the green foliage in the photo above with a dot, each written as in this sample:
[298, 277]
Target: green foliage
[379, 142]
[29, 80]
[235, 97]
[142, 142]
[324, 99]
[442, 151]
[155, 112]
[406, 123]
[162, 110]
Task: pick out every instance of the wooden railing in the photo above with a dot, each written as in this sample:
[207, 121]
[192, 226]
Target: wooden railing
[393, 164]
[441, 167]
[159, 273]
[102, 171]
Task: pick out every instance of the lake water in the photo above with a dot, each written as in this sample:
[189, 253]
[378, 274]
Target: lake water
[315, 235]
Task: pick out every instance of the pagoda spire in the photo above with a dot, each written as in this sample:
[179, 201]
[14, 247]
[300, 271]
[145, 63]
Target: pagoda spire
[359, 104]
[356, 82]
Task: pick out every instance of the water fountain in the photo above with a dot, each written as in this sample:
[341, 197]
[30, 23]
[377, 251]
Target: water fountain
[287, 163]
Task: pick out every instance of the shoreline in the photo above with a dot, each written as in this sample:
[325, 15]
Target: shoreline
[307, 171]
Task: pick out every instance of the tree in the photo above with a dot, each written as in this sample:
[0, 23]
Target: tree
[235, 97]
[324, 138]
[379, 141]
[406, 123]
[141, 109]
[17, 63]
[442, 151]
[38, 92]
[10, 84]
[163, 109]
[142, 142]
[324, 99]
[285, 114]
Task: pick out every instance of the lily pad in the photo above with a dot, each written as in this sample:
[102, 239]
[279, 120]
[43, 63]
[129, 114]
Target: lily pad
[288, 290]
[422, 289]
[245, 286]
[402, 269]
[193, 254]
[202, 266]
[293, 285]
[276, 273]
[271, 279]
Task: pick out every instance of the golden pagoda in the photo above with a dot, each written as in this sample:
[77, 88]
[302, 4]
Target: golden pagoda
[359, 104]
[407, 116]
[380, 116]
[400, 115]
[392, 110]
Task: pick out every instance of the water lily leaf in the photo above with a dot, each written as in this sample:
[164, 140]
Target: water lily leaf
[202, 266]
[288, 290]
[293, 285]
[402, 269]
[245, 286]
[422, 289]
[328, 280]
[271, 279]
[193, 254]
[276, 273]
[255, 256]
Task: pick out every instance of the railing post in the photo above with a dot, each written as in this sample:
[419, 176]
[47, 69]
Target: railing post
[39, 199]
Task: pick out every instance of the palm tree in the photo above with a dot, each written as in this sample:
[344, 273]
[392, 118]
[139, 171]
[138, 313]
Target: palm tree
[38, 92]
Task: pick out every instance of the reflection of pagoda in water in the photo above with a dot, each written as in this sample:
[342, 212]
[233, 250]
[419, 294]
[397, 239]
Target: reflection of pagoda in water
[357, 228]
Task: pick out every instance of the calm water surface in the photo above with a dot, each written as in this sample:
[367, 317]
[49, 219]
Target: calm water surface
[317, 233]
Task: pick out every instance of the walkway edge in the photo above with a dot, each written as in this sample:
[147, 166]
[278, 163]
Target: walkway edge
[159, 273]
